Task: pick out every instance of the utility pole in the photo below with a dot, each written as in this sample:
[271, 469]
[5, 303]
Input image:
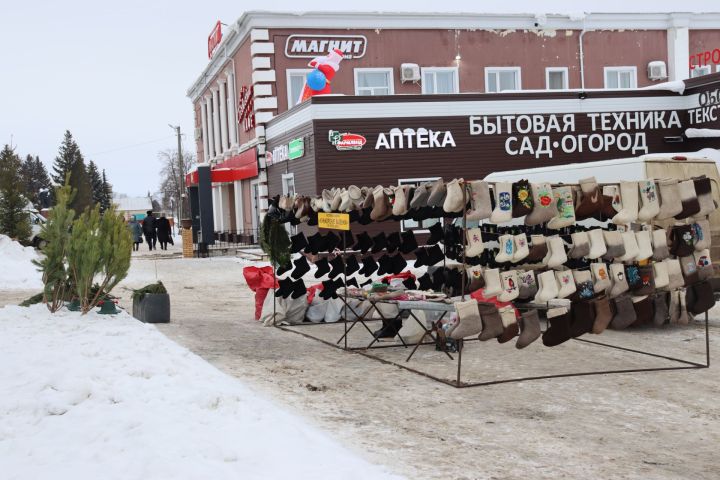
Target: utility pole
[181, 173]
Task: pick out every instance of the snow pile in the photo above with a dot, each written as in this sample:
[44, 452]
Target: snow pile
[677, 86]
[702, 133]
[16, 269]
[108, 397]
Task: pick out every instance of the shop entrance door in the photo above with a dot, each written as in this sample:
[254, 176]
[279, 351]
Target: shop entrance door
[254, 212]
[288, 186]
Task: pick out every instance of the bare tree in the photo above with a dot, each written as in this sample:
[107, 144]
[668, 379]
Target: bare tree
[170, 176]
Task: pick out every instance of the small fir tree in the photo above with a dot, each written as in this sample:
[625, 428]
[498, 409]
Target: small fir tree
[70, 160]
[107, 196]
[14, 218]
[80, 182]
[68, 154]
[36, 181]
[96, 184]
[57, 233]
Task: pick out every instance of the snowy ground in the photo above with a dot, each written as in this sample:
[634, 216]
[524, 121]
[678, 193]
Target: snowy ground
[16, 270]
[108, 397]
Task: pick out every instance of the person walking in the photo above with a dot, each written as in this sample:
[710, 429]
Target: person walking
[136, 232]
[149, 229]
[164, 235]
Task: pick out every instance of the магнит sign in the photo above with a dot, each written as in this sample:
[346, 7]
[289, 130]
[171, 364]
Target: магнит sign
[310, 46]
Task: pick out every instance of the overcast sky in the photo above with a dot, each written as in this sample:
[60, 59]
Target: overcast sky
[116, 76]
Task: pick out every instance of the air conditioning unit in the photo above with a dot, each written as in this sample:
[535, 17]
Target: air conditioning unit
[198, 133]
[409, 72]
[657, 70]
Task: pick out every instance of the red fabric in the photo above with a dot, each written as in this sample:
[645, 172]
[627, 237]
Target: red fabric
[312, 291]
[478, 295]
[403, 275]
[259, 277]
[260, 295]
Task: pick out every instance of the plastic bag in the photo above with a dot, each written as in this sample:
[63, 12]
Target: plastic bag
[411, 331]
[334, 310]
[267, 309]
[295, 309]
[316, 311]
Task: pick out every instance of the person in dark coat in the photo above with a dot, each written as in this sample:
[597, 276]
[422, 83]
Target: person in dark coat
[137, 233]
[164, 235]
[149, 229]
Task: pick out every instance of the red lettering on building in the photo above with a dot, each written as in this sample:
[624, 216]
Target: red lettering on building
[704, 58]
[246, 108]
[214, 38]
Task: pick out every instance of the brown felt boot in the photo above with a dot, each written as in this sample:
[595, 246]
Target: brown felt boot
[530, 328]
[603, 314]
[492, 325]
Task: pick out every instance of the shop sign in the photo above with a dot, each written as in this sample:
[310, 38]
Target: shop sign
[346, 141]
[310, 46]
[214, 38]
[411, 138]
[246, 108]
[704, 58]
[335, 221]
[278, 154]
[296, 148]
[544, 135]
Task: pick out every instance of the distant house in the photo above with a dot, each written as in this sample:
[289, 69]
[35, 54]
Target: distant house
[135, 207]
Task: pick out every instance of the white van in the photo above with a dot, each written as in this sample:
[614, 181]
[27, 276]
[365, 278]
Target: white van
[681, 166]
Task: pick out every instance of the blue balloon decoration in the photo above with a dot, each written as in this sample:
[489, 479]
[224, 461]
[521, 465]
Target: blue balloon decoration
[316, 79]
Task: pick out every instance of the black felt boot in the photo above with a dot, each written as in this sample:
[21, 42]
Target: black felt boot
[337, 266]
[351, 265]
[285, 286]
[323, 267]
[385, 265]
[425, 282]
[298, 242]
[393, 242]
[369, 266]
[398, 264]
[379, 242]
[315, 243]
[282, 269]
[301, 267]
[331, 241]
[364, 242]
[409, 243]
[298, 289]
[436, 234]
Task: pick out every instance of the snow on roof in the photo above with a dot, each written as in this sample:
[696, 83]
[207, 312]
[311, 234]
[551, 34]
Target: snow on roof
[131, 204]
[702, 133]
[677, 86]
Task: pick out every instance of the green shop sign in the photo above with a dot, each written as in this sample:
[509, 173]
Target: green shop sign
[296, 148]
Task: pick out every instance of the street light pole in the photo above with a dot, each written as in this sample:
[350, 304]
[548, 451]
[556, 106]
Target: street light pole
[181, 168]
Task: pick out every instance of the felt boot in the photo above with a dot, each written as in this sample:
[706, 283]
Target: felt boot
[643, 306]
[603, 314]
[556, 254]
[601, 278]
[351, 265]
[528, 284]
[675, 275]
[624, 312]
[619, 281]
[381, 205]
[436, 234]
[565, 217]
[522, 199]
[544, 206]
[298, 289]
[398, 264]
[582, 318]
[492, 325]
[661, 251]
[475, 245]
[503, 203]
[682, 242]
[704, 264]
[566, 282]
[393, 242]
[538, 249]
[455, 196]
[298, 242]
[438, 191]
[547, 287]
[510, 325]
[674, 307]
[469, 321]
[330, 242]
[420, 196]
[688, 200]
[589, 202]
[480, 203]
[301, 267]
[284, 289]
[704, 195]
[521, 248]
[704, 298]
[647, 280]
[614, 243]
[645, 250]
[400, 204]
[379, 242]
[701, 234]
[661, 315]
[323, 267]
[283, 269]
[684, 317]
[493, 284]
[434, 255]
[408, 242]
[559, 330]
[507, 249]
[631, 247]
[689, 270]
[649, 200]
[629, 197]
[529, 329]
[662, 280]
[669, 199]
[510, 286]
[632, 274]
[583, 285]
[425, 282]
[475, 278]
[369, 266]
[580, 245]
[384, 265]
[597, 244]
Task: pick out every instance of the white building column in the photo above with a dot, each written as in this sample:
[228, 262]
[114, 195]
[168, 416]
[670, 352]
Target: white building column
[678, 45]
[216, 123]
[216, 208]
[239, 214]
[210, 134]
[223, 117]
[225, 202]
[203, 116]
[232, 112]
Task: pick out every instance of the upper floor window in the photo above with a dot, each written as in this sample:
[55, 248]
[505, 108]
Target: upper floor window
[440, 80]
[699, 71]
[374, 81]
[556, 78]
[295, 84]
[498, 79]
[620, 77]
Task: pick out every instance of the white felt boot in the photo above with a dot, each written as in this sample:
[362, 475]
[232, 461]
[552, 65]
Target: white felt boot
[507, 249]
[597, 244]
[510, 284]
[521, 248]
[662, 280]
[475, 245]
[493, 286]
[548, 287]
[649, 200]
[631, 247]
[566, 282]
[556, 252]
[645, 250]
[629, 197]
[503, 203]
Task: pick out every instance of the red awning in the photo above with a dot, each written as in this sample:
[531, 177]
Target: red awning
[239, 167]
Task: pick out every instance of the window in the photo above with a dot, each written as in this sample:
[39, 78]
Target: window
[374, 81]
[556, 78]
[288, 188]
[422, 225]
[699, 71]
[620, 77]
[295, 84]
[498, 79]
[440, 80]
